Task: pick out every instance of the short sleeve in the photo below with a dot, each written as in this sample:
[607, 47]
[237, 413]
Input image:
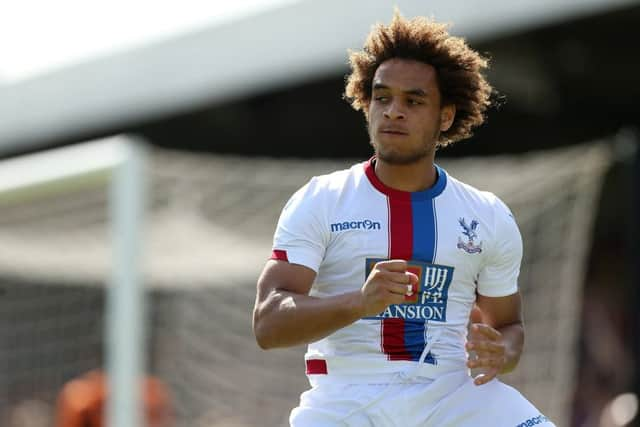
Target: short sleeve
[499, 277]
[301, 234]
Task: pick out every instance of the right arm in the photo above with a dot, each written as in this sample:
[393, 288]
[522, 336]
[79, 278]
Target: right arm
[286, 315]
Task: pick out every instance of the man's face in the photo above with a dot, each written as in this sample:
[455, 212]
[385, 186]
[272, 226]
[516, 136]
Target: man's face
[405, 115]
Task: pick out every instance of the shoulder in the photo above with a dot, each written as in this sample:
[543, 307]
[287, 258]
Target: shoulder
[485, 205]
[340, 179]
[481, 198]
[323, 187]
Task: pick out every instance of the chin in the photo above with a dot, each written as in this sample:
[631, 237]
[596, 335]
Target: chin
[399, 157]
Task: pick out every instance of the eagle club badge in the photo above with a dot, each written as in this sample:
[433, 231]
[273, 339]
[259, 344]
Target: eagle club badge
[470, 232]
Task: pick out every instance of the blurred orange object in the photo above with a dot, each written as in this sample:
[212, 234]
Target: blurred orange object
[81, 402]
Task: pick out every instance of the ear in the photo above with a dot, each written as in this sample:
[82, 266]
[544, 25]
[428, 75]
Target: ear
[447, 115]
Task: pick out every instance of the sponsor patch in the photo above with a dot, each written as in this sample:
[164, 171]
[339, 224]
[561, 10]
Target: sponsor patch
[365, 224]
[428, 300]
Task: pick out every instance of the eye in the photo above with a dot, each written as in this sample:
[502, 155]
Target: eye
[380, 98]
[415, 102]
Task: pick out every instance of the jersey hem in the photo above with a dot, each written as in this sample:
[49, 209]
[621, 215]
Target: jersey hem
[362, 371]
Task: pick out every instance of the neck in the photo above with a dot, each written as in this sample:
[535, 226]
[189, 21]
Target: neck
[417, 176]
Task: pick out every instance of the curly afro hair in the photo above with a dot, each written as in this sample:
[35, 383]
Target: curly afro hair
[459, 69]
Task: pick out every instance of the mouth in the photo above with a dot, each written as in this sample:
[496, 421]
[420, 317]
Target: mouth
[394, 131]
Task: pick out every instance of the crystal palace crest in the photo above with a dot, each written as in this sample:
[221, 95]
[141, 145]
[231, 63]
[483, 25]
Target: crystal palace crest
[470, 232]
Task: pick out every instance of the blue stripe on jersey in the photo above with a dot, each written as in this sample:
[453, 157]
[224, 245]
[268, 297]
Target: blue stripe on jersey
[424, 230]
[424, 247]
[435, 228]
[415, 340]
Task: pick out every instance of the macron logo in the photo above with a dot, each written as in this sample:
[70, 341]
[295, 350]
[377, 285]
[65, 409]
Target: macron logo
[533, 421]
[366, 224]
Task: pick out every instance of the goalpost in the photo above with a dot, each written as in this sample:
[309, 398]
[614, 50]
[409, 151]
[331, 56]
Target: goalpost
[118, 162]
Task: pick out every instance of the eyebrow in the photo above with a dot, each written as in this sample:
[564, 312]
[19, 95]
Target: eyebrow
[416, 92]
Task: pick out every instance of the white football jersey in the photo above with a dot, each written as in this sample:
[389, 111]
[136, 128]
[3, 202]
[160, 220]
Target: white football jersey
[457, 239]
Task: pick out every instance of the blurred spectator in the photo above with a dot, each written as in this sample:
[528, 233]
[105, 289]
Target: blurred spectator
[31, 413]
[81, 402]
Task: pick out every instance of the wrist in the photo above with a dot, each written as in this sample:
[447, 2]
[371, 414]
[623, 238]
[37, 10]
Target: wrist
[513, 339]
[355, 305]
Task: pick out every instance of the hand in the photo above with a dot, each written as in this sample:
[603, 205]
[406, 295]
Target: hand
[388, 283]
[489, 349]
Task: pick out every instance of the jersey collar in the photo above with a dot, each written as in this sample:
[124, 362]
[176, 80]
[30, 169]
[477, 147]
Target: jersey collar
[429, 193]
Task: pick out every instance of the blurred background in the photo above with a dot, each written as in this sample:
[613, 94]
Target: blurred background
[241, 104]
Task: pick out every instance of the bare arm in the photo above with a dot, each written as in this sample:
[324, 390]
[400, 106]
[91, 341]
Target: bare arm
[499, 339]
[286, 315]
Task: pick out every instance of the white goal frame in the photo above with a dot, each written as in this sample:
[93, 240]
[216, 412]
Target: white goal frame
[119, 162]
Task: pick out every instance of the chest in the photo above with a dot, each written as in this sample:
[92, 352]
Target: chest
[435, 231]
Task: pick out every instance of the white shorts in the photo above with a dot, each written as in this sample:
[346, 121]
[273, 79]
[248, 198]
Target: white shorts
[451, 400]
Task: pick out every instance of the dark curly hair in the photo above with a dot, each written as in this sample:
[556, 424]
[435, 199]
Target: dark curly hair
[459, 69]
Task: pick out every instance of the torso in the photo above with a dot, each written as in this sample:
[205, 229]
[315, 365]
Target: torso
[445, 233]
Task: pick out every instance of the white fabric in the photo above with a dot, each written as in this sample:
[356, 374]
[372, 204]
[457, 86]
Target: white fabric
[451, 400]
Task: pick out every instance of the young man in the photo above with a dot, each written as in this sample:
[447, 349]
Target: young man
[378, 267]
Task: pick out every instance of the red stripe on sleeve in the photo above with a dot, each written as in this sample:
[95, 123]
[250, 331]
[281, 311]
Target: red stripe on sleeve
[316, 366]
[279, 255]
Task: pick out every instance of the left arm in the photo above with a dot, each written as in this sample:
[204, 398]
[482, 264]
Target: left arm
[498, 337]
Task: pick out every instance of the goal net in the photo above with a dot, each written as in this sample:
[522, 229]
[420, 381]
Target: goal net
[209, 227]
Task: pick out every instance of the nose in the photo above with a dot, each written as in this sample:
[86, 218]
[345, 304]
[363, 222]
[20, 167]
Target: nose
[393, 111]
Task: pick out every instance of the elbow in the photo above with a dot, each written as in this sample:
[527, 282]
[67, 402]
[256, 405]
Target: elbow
[262, 339]
[264, 344]
[260, 331]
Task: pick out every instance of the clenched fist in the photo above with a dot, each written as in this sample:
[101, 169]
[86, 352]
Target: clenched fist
[388, 283]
